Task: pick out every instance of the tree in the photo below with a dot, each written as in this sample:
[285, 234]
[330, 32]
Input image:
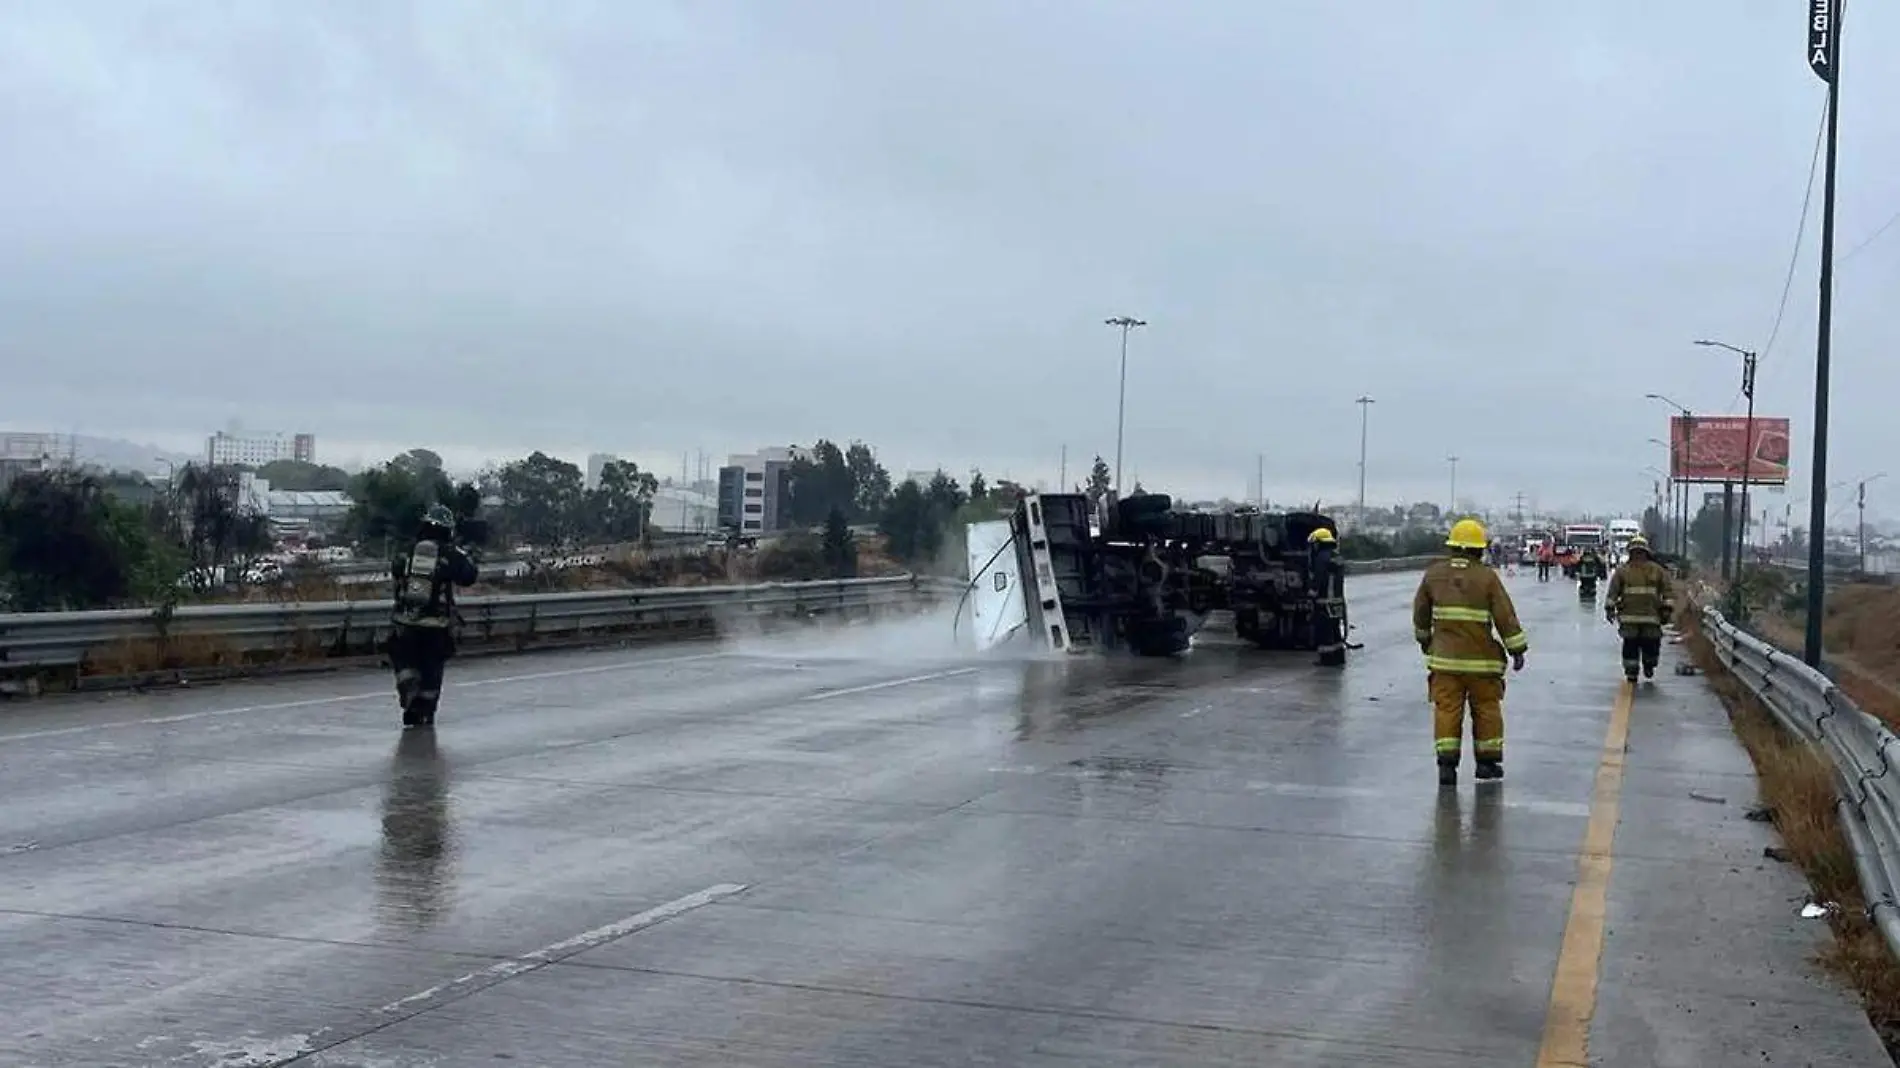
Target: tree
[945, 495]
[417, 463]
[307, 477]
[541, 499]
[870, 483]
[1099, 481]
[209, 519]
[387, 502]
[66, 544]
[912, 531]
[979, 489]
[839, 546]
[619, 508]
[821, 482]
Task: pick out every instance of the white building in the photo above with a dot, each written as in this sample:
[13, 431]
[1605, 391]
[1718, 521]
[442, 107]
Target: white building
[755, 489]
[677, 510]
[256, 450]
[291, 507]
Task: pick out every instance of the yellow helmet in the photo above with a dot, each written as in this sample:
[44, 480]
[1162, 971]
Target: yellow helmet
[1321, 536]
[1638, 542]
[1467, 534]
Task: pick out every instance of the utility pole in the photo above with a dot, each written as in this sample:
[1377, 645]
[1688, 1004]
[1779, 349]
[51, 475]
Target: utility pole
[1261, 476]
[1453, 460]
[1365, 405]
[1824, 58]
[1861, 503]
[1062, 480]
[1126, 323]
[1518, 512]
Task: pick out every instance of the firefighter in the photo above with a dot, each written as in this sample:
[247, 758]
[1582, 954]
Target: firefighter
[1590, 570]
[1326, 583]
[1546, 556]
[1640, 602]
[423, 636]
[1459, 603]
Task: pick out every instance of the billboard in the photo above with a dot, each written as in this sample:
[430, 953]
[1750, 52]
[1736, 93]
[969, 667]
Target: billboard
[1705, 448]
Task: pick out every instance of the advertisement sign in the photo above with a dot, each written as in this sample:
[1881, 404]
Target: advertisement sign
[1706, 448]
[1821, 39]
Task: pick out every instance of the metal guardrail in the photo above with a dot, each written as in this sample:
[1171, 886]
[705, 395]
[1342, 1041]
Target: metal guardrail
[38, 641]
[1861, 748]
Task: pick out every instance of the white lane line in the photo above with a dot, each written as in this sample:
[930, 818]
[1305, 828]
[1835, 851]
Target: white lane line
[597, 669]
[546, 955]
[312, 702]
[867, 688]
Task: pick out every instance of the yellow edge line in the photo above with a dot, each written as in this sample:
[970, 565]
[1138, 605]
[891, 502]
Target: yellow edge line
[1573, 994]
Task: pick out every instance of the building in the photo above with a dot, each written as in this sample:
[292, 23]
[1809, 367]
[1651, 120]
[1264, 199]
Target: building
[596, 463]
[291, 509]
[677, 510]
[755, 490]
[232, 447]
[25, 454]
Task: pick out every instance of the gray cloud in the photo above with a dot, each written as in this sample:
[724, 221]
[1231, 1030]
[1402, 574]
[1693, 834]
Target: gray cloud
[656, 227]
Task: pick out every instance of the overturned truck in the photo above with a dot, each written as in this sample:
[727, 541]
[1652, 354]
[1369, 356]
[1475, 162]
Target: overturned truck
[1143, 577]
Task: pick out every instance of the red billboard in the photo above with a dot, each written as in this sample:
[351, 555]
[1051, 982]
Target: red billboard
[1705, 448]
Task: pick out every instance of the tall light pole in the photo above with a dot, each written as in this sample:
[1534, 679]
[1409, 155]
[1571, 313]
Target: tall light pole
[1126, 323]
[1748, 441]
[1681, 463]
[1861, 503]
[1453, 461]
[1365, 405]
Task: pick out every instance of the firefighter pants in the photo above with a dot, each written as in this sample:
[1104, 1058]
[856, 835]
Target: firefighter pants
[1451, 693]
[419, 654]
[1642, 646]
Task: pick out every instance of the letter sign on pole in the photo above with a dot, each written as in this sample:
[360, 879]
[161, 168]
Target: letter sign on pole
[1821, 39]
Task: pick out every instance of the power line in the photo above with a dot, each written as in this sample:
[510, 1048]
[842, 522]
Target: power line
[1870, 238]
[1800, 231]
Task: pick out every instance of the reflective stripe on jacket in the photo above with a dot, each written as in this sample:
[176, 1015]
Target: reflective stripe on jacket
[1639, 591]
[1459, 603]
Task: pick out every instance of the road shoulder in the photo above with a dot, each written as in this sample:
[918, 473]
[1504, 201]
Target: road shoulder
[1706, 958]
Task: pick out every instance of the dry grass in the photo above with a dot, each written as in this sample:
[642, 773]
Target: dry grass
[1797, 785]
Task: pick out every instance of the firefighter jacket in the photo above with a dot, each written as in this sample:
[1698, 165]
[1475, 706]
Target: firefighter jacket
[1459, 603]
[425, 583]
[1640, 594]
[1590, 567]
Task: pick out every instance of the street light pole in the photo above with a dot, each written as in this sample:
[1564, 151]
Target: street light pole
[1126, 323]
[1748, 443]
[1365, 405]
[1681, 464]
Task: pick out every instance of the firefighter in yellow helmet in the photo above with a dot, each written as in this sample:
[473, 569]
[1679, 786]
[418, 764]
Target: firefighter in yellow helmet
[1640, 601]
[1459, 603]
[1326, 585]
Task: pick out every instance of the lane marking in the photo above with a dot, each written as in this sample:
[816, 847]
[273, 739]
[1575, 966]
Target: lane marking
[595, 670]
[312, 702]
[464, 985]
[1573, 994]
[823, 695]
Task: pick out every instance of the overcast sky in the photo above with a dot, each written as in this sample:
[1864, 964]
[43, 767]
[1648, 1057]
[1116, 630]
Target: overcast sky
[650, 227]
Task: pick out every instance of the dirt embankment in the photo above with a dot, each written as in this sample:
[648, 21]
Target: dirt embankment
[1862, 637]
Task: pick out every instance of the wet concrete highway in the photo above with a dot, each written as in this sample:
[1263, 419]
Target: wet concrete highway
[862, 849]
